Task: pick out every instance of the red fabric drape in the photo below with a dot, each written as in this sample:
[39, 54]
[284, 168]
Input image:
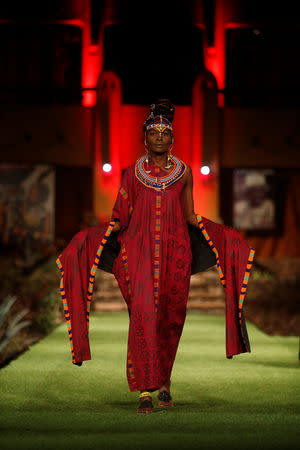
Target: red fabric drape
[153, 268]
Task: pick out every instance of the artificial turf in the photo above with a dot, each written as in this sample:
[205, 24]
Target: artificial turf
[248, 402]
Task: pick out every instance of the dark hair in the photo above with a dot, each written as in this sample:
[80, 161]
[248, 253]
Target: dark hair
[163, 107]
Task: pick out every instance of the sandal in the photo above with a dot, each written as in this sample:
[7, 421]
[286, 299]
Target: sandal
[146, 405]
[165, 399]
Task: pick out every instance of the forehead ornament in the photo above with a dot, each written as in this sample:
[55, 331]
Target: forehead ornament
[160, 125]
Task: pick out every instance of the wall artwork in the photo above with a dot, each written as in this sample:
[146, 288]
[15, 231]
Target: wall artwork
[254, 206]
[27, 204]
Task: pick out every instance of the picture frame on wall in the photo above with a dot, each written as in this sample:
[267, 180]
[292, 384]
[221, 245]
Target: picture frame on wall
[254, 199]
[27, 204]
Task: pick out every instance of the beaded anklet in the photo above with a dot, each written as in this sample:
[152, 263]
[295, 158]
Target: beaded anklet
[146, 405]
[145, 394]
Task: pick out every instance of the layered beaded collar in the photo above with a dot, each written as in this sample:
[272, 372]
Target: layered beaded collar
[159, 183]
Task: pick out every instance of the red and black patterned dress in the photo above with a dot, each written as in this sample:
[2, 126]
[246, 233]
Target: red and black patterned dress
[152, 257]
[153, 270]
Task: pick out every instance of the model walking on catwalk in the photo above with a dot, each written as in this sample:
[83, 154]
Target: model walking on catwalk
[152, 244]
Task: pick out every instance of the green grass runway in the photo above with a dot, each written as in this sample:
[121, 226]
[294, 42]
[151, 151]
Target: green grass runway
[248, 402]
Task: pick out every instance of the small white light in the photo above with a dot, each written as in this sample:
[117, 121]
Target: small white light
[205, 170]
[106, 167]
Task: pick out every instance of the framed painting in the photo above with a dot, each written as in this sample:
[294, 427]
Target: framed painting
[27, 203]
[254, 199]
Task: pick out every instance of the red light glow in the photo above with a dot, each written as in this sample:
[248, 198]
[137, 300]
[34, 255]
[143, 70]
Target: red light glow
[89, 98]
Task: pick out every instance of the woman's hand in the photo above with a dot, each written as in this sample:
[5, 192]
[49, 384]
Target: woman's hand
[117, 226]
[192, 220]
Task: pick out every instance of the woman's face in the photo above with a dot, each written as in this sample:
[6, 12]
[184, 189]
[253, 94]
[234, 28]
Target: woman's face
[158, 142]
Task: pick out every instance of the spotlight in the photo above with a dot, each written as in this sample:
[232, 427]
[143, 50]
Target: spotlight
[205, 170]
[106, 167]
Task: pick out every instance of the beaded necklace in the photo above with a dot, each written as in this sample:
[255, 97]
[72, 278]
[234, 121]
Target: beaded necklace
[159, 183]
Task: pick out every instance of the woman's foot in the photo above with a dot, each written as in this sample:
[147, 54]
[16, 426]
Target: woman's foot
[145, 405]
[164, 395]
[165, 386]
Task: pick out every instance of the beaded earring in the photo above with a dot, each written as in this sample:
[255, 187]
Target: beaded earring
[147, 155]
[169, 154]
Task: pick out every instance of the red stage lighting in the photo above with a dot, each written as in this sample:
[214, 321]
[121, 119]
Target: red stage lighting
[89, 98]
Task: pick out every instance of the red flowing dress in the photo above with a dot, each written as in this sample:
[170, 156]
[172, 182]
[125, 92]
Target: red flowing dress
[152, 257]
[153, 270]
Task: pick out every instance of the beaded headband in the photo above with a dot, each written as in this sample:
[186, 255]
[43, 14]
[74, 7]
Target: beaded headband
[160, 124]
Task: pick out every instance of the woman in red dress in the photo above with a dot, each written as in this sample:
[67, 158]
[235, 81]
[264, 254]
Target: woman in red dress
[152, 244]
[156, 244]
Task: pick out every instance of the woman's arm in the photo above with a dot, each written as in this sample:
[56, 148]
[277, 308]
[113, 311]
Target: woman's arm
[123, 205]
[188, 199]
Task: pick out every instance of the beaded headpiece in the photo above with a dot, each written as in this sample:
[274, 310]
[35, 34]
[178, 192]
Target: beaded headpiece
[159, 123]
[160, 116]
